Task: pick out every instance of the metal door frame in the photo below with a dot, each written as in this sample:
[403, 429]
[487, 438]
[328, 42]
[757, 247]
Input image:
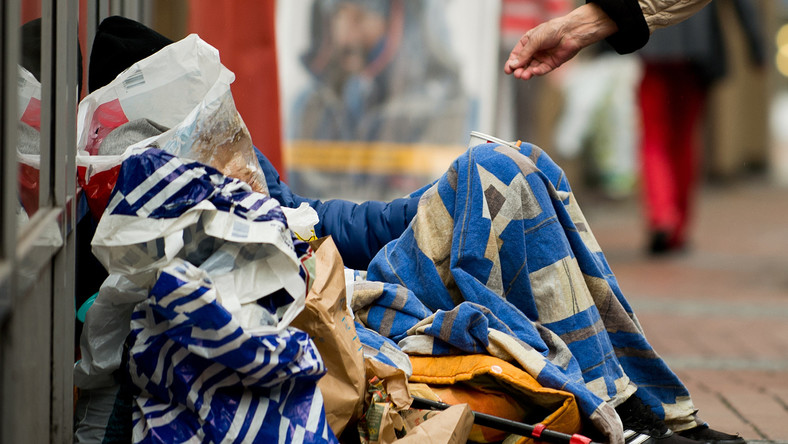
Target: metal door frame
[37, 258]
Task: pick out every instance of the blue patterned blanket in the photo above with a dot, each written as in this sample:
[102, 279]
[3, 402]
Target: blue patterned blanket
[500, 260]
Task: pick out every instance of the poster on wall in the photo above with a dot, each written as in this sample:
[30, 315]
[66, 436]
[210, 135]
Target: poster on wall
[379, 96]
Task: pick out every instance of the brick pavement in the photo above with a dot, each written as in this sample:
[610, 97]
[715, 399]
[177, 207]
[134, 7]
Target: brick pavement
[717, 313]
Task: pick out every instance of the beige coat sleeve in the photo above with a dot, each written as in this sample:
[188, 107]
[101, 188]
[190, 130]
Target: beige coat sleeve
[662, 13]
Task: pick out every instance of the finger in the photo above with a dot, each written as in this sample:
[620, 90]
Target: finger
[539, 69]
[534, 69]
[530, 43]
[524, 74]
[514, 62]
[507, 69]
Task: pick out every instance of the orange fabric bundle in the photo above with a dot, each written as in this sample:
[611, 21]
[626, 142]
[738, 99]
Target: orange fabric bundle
[496, 387]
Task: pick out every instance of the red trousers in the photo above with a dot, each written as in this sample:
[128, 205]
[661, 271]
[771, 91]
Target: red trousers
[672, 96]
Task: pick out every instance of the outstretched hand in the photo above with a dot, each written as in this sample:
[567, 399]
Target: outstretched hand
[551, 44]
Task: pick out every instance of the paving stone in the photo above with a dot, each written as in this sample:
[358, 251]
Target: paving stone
[718, 313]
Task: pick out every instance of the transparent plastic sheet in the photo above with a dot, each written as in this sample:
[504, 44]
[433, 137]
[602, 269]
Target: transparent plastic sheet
[183, 87]
[104, 332]
[28, 144]
[211, 349]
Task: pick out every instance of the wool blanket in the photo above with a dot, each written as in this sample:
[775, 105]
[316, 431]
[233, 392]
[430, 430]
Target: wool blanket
[499, 259]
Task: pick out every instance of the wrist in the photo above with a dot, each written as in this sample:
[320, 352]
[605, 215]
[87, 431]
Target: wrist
[632, 31]
[590, 24]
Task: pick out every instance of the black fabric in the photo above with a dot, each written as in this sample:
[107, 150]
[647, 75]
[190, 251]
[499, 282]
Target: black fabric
[90, 274]
[31, 51]
[706, 435]
[752, 26]
[639, 417]
[633, 30]
[120, 43]
[120, 425]
[700, 41]
[31, 47]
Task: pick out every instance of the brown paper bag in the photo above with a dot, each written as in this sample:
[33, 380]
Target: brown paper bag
[451, 426]
[394, 381]
[386, 395]
[389, 419]
[330, 324]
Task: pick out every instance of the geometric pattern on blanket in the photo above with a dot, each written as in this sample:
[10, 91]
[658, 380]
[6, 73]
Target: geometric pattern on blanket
[499, 259]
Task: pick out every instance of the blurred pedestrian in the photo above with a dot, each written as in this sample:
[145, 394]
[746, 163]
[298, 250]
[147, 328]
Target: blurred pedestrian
[680, 64]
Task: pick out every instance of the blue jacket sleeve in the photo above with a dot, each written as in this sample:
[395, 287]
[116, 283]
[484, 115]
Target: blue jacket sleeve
[359, 230]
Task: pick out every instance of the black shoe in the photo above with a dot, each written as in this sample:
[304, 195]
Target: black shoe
[643, 426]
[659, 243]
[662, 243]
[710, 436]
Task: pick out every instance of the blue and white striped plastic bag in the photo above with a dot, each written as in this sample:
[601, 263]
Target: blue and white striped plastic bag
[211, 351]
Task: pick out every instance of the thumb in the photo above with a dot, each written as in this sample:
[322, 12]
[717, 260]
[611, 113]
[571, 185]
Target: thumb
[523, 52]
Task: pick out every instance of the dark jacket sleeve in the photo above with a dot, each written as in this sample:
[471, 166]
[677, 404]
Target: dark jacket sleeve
[750, 21]
[633, 32]
[359, 230]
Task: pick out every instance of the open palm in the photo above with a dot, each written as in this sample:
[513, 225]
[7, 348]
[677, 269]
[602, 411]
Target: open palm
[551, 44]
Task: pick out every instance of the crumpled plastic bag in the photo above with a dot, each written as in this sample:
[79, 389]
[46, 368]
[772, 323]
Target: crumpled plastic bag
[107, 324]
[164, 207]
[220, 381]
[302, 221]
[212, 353]
[29, 139]
[183, 87]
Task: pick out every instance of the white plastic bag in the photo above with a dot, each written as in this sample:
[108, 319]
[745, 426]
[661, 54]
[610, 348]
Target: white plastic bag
[165, 208]
[222, 278]
[302, 221]
[183, 87]
[105, 331]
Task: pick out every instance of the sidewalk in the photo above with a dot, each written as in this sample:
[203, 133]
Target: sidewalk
[718, 313]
